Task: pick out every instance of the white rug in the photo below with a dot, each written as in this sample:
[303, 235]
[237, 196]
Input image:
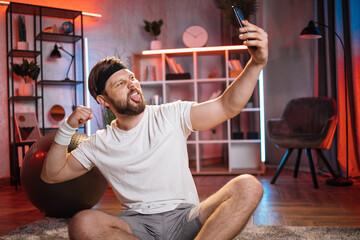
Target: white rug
[56, 229]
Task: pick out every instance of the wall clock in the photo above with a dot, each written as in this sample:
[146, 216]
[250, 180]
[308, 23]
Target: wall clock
[195, 36]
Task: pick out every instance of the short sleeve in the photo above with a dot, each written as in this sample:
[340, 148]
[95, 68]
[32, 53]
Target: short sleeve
[84, 152]
[178, 114]
[186, 117]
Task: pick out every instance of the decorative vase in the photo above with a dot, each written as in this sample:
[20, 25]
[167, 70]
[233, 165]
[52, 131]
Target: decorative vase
[26, 90]
[22, 45]
[155, 44]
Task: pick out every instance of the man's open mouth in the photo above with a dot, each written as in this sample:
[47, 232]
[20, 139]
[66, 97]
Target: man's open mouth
[135, 96]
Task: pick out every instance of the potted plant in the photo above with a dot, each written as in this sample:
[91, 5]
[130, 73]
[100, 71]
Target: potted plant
[22, 44]
[154, 29]
[25, 70]
[248, 8]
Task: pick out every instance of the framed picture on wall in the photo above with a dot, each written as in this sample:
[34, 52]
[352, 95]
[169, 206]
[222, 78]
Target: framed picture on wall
[27, 128]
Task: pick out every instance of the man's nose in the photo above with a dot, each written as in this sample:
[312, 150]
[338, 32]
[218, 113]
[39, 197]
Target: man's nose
[130, 84]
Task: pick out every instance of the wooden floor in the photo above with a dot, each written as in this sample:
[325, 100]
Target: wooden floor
[292, 202]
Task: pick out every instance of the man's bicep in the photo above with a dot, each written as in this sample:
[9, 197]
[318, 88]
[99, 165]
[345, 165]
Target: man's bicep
[206, 115]
[73, 168]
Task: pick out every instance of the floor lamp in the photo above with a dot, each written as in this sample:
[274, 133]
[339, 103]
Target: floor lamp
[55, 53]
[312, 32]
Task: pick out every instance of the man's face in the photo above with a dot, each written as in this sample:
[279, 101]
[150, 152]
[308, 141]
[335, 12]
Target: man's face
[124, 93]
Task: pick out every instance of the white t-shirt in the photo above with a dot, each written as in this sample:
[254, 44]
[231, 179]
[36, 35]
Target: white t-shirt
[147, 166]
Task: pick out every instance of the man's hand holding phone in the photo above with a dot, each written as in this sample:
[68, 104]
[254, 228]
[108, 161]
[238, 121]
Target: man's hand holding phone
[255, 38]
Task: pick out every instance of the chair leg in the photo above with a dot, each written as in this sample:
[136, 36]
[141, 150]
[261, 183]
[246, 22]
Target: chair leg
[323, 158]
[282, 164]
[312, 169]
[297, 164]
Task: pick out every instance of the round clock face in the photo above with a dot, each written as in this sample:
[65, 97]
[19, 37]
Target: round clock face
[195, 36]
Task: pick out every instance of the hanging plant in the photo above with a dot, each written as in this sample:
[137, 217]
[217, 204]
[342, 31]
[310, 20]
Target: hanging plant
[26, 69]
[154, 28]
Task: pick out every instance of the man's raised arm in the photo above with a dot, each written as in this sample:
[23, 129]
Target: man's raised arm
[213, 112]
[59, 165]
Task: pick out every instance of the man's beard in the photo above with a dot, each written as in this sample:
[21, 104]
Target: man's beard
[125, 107]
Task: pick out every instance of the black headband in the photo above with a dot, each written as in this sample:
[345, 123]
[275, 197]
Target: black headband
[105, 75]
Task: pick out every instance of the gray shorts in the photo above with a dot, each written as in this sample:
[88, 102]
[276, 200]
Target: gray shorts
[180, 223]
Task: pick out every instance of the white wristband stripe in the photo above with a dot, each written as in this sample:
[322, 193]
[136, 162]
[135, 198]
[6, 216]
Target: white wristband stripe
[64, 134]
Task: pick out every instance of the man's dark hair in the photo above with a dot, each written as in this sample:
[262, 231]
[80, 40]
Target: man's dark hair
[101, 72]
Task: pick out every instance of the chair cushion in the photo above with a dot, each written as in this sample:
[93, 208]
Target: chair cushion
[305, 123]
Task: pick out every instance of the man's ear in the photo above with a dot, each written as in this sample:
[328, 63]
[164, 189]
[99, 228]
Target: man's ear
[102, 100]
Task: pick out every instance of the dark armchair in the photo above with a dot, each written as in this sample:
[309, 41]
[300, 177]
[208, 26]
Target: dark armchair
[306, 123]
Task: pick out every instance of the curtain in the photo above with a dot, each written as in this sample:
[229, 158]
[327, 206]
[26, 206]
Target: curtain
[342, 17]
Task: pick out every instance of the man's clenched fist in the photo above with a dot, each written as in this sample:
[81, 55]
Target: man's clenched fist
[79, 116]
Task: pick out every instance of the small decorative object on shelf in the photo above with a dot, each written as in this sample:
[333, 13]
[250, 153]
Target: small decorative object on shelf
[156, 100]
[55, 53]
[67, 27]
[57, 114]
[22, 44]
[250, 103]
[24, 70]
[154, 28]
[27, 128]
[51, 29]
[213, 73]
[238, 135]
[195, 36]
[252, 135]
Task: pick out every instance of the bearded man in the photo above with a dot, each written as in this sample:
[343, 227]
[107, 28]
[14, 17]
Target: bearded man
[143, 155]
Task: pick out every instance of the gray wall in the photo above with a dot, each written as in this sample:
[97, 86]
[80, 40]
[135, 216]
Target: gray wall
[119, 32]
[290, 70]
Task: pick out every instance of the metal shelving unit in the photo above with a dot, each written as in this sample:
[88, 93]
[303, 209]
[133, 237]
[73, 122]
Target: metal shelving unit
[39, 15]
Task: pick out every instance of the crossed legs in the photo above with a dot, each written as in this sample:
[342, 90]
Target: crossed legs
[223, 215]
[94, 224]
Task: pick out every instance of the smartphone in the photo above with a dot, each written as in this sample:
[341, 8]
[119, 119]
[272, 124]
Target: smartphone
[240, 17]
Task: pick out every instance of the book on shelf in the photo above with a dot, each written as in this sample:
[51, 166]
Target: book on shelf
[235, 68]
[173, 65]
[176, 71]
[179, 68]
[150, 73]
[234, 64]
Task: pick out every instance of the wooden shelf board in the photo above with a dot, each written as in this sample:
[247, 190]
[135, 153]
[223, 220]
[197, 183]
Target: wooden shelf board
[45, 11]
[24, 53]
[21, 98]
[56, 37]
[59, 82]
[241, 141]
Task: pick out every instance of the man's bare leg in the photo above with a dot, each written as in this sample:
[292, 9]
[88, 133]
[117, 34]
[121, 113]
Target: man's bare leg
[94, 224]
[225, 214]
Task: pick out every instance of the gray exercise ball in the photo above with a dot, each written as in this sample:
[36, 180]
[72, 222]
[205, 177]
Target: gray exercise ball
[59, 199]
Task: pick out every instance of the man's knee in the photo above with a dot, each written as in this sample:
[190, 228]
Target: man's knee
[247, 185]
[80, 223]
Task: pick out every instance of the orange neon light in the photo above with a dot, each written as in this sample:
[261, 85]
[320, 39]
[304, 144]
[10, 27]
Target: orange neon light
[91, 14]
[84, 13]
[200, 49]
